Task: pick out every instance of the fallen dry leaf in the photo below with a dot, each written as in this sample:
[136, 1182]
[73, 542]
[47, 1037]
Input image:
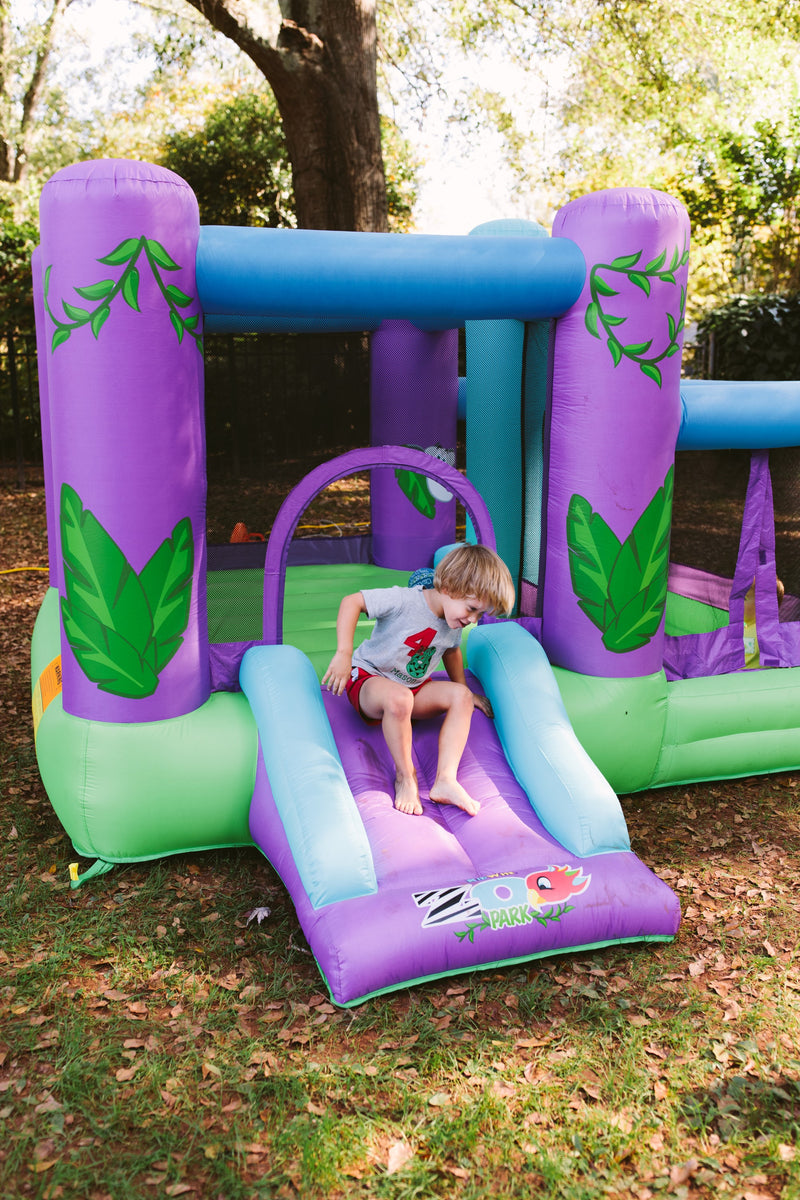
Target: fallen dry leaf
[399, 1154]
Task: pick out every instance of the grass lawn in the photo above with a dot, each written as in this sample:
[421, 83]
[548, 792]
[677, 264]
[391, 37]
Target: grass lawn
[154, 1041]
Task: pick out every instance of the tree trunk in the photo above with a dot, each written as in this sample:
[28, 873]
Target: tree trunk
[323, 72]
[15, 144]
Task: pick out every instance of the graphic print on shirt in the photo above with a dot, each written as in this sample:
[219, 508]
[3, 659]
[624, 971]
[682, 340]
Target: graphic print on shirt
[420, 653]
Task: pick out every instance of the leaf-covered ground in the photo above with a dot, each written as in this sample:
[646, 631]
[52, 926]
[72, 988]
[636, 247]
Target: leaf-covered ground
[157, 1039]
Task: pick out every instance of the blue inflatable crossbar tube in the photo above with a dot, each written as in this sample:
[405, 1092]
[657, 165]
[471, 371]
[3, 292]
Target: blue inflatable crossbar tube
[323, 827]
[571, 797]
[718, 414]
[435, 281]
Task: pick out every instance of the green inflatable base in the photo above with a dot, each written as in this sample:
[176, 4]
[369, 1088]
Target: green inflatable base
[127, 793]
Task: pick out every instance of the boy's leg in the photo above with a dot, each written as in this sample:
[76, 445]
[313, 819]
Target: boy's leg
[456, 702]
[392, 704]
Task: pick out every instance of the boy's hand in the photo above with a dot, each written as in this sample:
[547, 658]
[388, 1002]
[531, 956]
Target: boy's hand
[483, 703]
[337, 675]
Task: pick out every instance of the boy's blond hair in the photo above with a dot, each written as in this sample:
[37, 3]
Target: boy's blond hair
[476, 571]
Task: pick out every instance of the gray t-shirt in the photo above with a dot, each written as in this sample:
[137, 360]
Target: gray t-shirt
[408, 641]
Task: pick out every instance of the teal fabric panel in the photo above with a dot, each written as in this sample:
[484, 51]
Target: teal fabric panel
[326, 834]
[571, 797]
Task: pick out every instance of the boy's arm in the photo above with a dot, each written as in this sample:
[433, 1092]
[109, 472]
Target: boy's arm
[337, 675]
[453, 663]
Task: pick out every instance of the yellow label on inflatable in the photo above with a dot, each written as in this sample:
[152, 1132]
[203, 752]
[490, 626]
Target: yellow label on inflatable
[48, 685]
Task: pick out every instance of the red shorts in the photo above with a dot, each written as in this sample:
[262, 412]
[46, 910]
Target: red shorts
[353, 688]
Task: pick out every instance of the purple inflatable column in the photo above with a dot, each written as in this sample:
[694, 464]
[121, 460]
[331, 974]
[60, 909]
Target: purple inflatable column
[44, 414]
[614, 420]
[124, 363]
[414, 402]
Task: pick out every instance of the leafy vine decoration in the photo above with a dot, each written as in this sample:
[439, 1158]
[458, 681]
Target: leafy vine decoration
[553, 914]
[597, 319]
[471, 930]
[127, 254]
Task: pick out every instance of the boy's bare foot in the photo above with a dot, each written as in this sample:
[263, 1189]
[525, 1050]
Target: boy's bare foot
[406, 797]
[450, 791]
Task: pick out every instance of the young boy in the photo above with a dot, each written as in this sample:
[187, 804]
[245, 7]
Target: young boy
[387, 679]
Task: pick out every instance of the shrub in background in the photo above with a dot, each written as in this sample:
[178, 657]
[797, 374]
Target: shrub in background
[750, 337]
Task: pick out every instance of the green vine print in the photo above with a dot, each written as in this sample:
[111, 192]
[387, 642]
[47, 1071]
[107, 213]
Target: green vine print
[621, 586]
[471, 930]
[601, 323]
[123, 626]
[127, 254]
[553, 914]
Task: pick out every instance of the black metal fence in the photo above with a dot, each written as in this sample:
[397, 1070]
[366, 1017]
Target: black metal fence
[277, 396]
[20, 428]
[268, 397]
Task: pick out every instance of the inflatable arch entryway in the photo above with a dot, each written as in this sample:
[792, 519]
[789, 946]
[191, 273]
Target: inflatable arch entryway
[176, 689]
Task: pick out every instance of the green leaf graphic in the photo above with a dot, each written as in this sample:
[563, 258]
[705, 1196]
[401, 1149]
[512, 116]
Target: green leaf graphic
[123, 628]
[122, 254]
[177, 296]
[96, 291]
[593, 549]
[73, 312]
[99, 579]
[604, 288]
[656, 264]
[592, 317]
[99, 319]
[167, 583]
[621, 587]
[106, 658]
[177, 324]
[638, 584]
[130, 289]
[626, 261]
[415, 487]
[160, 255]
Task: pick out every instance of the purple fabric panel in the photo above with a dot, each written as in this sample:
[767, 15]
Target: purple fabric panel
[413, 402]
[317, 480]
[615, 409]
[527, 598]
[709, 589]
[53, 544]
[389, 939]
[533, 625]
[127, 393]
[722, 650]
[224, 661]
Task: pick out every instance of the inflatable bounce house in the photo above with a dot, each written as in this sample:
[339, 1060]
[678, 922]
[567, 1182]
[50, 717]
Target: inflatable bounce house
[176, 694]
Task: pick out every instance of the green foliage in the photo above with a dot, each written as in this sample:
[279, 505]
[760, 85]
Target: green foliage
[401, 168]
[752, 337]
[237, 164]
[17, 242]
[700, 102]
[745, 194]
